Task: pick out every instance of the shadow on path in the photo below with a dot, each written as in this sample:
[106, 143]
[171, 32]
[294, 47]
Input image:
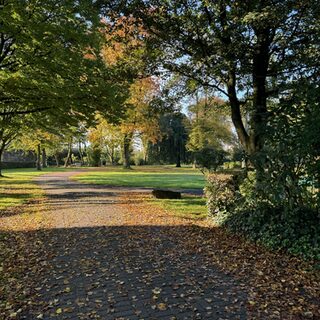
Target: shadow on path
[122, 272]
[95, 261]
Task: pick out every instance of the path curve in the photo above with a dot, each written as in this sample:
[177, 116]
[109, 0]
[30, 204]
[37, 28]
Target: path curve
[103, 267]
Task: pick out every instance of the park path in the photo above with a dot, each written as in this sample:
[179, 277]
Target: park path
[101, 261]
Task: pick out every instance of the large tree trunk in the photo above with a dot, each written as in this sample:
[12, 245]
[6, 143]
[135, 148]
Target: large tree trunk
[146, 147]
[1, 153]
[111, 154]
[68, 159]
[126, 152]
[38, 162]
[252, 141]
[194, 164]
[81, 154]
[44, 158]
[56, 157]
[178, 154]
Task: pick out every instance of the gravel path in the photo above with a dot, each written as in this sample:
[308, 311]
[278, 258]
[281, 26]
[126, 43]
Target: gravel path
[105, 263]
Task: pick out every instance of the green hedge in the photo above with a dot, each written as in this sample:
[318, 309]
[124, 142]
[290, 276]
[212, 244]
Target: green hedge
[232, 203]
[297, 231]
[15, 165]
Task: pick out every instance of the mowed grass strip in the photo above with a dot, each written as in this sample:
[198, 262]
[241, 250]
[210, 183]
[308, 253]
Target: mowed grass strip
[167, 177]
[190, 207]
[17, 186]
[145, 176]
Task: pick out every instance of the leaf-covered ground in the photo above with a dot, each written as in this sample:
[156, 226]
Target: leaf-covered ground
[279, 286]
[102, 253]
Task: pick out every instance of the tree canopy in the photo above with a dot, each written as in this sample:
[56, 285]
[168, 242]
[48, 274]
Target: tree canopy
[250, 52]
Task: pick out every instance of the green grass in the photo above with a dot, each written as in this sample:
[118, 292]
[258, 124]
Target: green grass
[17, 187]
[146, 176]
[191, 207]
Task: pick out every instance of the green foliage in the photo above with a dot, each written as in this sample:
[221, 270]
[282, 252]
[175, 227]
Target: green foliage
[108, 138]
[297, 231]
[52, 63]
[237, 153]
[94, 156]
[232, 165]
[210, 132]
[273, 224]
[139, 159]
[289, 174]
[171, 148]
[252, 52]
[209, 159]
[222, 193]
[279, 201]
[210, 125]
[52, 75]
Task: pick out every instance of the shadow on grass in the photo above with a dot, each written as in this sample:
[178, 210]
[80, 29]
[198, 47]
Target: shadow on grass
[16, 180]
[12, 204]
[4, 177]
[124, 271]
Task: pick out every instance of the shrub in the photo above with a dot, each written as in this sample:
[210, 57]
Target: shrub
[209, 159]
[232, 165]
[94, 156]
[297, 231]
[222, 193]
[15, 165]
[139, 159]
[237, 204]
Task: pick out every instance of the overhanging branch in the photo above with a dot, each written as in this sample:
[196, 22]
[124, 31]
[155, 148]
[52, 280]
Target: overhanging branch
[18, 112]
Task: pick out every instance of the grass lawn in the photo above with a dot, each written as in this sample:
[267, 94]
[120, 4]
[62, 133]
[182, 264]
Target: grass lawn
[17, 187]
[146, 176]
[191, 207]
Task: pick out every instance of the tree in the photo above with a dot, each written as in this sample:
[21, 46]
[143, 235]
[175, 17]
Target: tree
[210, 125]
[210, 133]
[249, 52]
[9, 128]
[51, 69]
[125, 49]
[122, 50]
[33, 141]
[208, 159]
[141, 117]
[106, 138]
[40, 44]
[171, 148]
[292, 156]
[54, 147]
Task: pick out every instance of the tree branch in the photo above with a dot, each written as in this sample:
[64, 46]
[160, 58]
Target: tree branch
[17, 112]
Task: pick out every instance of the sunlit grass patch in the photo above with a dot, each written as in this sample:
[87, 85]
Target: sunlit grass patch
[191, 207]
[17, 186]
[145, 176]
